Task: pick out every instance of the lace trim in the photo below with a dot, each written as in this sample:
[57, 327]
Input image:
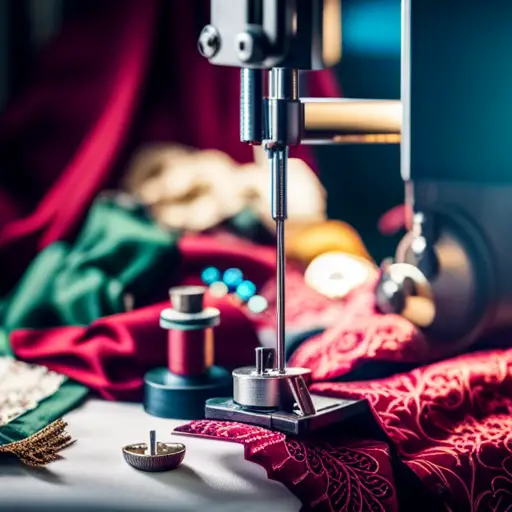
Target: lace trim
[23, 387]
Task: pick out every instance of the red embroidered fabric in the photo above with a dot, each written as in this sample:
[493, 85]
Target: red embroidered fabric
[324, 474]
[450, 422]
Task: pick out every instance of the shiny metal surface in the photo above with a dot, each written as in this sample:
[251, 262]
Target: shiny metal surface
[278, 160]
[187, 299]
[404, 290]
[283, 112]
[154, 456]
[333, 120]
[281, 296]
[283, 84]
[460, 251]
[152, 442]
[328, 412]
[301, 395]
[251, 106]
[268, 391]
[264, 359]
[282, 129]
[278, 165]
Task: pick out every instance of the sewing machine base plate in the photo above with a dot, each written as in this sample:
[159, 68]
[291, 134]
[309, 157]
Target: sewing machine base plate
[330, 411]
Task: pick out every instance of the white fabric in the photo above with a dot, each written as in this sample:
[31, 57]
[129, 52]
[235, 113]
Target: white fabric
[94, 476]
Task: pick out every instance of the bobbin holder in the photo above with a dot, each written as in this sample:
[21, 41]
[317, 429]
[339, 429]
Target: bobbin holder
[280, 400]
[180, 390]
[279, 38]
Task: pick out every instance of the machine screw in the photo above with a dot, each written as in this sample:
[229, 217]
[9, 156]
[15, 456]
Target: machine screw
[209, 42]
[250, 47]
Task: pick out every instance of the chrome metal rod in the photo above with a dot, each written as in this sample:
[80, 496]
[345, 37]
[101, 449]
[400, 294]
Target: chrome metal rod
[152, 442]
[338, 121]
[280, 306]
[283, 124]
[251, 108]
[283, 84]
[278, 169]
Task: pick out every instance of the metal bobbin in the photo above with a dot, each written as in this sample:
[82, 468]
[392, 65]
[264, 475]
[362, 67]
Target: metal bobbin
[181, 389]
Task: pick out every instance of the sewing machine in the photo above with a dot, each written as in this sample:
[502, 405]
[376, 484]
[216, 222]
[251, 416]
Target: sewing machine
[451, 274]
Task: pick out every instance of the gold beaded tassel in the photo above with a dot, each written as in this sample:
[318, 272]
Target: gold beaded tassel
[42, 447]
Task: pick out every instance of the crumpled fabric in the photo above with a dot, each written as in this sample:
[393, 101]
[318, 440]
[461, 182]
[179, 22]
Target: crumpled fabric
[118, 262]
[111, 354]
[442, 429]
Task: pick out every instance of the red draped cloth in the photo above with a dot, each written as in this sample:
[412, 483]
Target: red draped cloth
[128, 72]
[99, 94]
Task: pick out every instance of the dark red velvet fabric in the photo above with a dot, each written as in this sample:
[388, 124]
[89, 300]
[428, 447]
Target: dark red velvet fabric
[113, 353]
[128, 72]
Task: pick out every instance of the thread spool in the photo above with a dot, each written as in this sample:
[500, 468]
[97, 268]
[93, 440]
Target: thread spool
[190, 353]
[180, 390]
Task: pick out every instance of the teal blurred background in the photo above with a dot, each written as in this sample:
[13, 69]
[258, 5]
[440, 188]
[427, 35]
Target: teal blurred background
[363, 182]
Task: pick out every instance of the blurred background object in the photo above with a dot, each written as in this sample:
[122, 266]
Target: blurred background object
[195, 191]
[362, 182]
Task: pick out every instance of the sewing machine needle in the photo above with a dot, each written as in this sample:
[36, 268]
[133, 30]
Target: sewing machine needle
[278, 163]
[280, 306]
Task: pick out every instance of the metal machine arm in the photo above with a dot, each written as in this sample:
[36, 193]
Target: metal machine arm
[279, 39]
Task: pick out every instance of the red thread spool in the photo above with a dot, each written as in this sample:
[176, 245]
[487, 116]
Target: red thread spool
[191, 378]
[191, 352]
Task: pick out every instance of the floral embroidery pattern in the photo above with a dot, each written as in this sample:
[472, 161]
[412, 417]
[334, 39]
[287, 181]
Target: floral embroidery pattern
[338, 475]
[450, 422]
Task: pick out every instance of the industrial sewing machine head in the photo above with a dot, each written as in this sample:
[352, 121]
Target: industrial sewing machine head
[281, 38]
[451, 275]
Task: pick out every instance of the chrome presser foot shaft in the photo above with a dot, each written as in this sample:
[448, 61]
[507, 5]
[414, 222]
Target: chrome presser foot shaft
[281, 297]
[278, 166]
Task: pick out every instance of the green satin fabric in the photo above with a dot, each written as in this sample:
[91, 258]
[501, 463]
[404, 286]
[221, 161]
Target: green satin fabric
[120, 255]
[67, 397]
[120, 258]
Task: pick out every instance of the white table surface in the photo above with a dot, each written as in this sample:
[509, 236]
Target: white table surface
[94, 476]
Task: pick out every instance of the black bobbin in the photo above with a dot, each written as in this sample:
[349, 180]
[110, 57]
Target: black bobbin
[180, 390]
